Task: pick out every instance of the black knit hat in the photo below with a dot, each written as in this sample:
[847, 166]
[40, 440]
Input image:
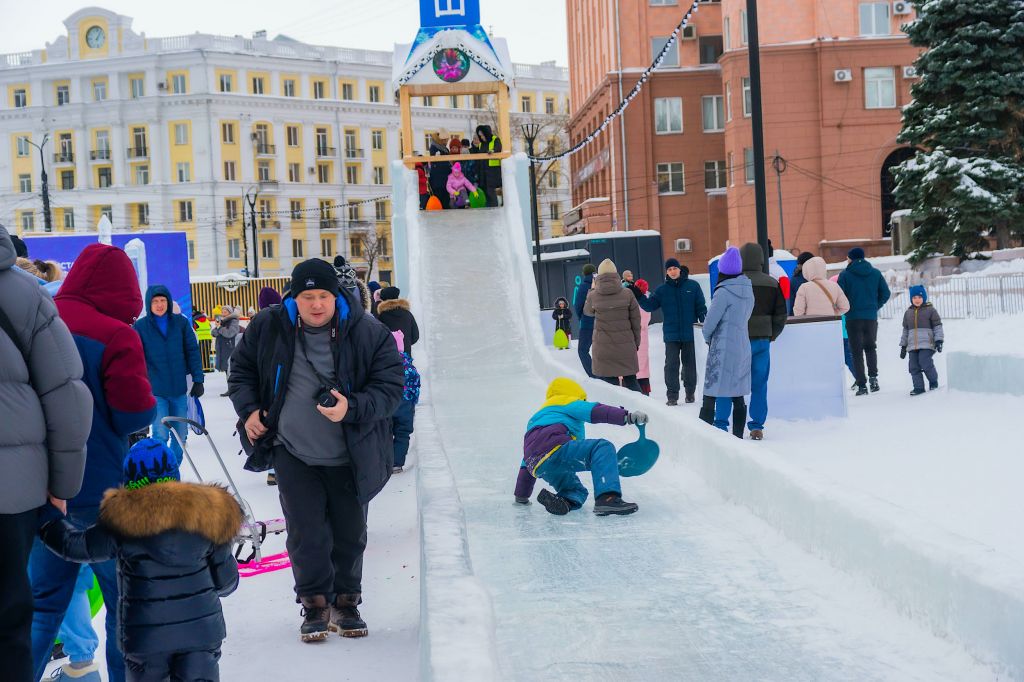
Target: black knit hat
[672, 263]
[314, 274]
[20, 250]
[389, 293]
[589, 269]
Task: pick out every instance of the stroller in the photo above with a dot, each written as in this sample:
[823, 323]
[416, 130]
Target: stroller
[253, 532]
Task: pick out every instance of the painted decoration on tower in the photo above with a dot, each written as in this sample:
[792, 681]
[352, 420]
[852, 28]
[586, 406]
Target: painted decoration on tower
[451, 65]
[443, 15]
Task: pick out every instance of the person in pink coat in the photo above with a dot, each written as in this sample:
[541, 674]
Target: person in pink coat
[459, 187]
[640, 288]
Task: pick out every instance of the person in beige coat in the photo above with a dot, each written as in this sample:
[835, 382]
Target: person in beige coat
[617, 328]
[819, 296]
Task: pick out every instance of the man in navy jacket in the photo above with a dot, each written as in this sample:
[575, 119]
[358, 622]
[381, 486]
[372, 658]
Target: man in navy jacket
[586, 321]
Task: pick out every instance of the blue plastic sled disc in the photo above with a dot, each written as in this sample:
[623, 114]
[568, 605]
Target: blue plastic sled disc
[636, 459]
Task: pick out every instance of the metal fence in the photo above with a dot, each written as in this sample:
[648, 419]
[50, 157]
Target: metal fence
[965, 297]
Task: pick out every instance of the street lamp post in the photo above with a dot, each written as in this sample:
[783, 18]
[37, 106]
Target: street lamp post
[250, 198]
[47, 219]
[530, 131]
[780, 165]
[757, 123]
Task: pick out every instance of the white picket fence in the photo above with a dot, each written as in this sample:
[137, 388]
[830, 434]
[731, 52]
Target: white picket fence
[965, 297]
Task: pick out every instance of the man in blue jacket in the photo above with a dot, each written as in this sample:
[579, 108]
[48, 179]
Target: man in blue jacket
[172, 353]
[682, 304]
[586, 339]
[864, 285]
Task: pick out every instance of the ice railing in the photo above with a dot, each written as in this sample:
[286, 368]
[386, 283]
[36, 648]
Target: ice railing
[960, 297]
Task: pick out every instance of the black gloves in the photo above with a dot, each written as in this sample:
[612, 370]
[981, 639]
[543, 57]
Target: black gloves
[636, 418]
[938, 346]
[197, 391]
[903, 352]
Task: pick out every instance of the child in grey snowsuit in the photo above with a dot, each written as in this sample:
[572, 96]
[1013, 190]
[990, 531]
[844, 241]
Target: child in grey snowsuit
[922, 337]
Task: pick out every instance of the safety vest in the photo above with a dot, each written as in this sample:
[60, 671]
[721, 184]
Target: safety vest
[203, 329]
[490, 148]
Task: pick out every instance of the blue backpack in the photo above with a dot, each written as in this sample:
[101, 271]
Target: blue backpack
[412, 380]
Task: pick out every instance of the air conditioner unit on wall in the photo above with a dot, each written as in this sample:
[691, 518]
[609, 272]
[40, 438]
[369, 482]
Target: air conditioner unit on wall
[689, 32]
[909, 72]
[843, 75]
[684, 246]
[902, 8]
[162, 85]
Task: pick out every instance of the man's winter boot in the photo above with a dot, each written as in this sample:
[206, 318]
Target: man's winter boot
[873, 383]
[612, 503]
[316, 617]
[555, 504]
[757, 434]
[917, 391]
[691, 398]
[862, 390]
[345, 618]
[933, 387]
[672, 402]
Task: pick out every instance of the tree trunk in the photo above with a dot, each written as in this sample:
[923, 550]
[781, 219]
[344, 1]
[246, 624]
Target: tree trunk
[1002, 235]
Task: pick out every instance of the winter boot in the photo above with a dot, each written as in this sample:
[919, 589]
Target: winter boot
[917, 391]
[397, 470]
[612, 503]
[345, 618]
[522, 500]
[672, 402]
[873, 383]
[757, 434]
[690, 398]
[555, 504]
[862, 390]
[933, 387]
[271, 478]
[82, 672]
[316, 616]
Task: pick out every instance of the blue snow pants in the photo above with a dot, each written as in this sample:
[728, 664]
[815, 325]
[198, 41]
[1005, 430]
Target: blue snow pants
[80, 640]
[760, 367]
[583, 345]
[593, 455]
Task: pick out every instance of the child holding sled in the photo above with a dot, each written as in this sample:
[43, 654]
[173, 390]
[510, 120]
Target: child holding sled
[922, 337]
[172, 541]
[562, 315]
[459, 187]
[555, 448]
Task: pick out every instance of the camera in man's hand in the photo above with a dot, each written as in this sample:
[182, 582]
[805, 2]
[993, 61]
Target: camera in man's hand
[324, 397]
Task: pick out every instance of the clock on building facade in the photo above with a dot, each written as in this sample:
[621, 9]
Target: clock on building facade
[94, 37]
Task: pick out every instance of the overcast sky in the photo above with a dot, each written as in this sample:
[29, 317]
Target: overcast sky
[535, 29]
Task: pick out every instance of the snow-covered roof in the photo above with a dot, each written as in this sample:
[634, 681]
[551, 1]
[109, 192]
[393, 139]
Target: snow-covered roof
[590, 236]
[564, 255]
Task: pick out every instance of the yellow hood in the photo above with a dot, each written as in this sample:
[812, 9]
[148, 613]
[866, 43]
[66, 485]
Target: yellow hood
[563, 391]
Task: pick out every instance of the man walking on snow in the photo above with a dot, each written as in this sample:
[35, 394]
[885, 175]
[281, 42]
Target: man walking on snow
[864, 285]
[767, 321]
[586, 339]
[316, 381]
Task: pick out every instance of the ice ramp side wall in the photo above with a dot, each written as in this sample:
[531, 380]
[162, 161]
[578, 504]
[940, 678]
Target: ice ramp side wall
[985, 373]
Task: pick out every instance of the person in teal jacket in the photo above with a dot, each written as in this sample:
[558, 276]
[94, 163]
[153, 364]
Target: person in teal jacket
[172, 354]
[864, 285]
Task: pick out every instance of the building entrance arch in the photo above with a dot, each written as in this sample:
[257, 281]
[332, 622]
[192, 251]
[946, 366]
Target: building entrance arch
[888, 181]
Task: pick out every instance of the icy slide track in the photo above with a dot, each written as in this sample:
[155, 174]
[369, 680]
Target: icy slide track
[690, 588]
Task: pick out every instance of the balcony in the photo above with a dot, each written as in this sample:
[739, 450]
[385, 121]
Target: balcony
[328, 223]
[64, 157]
[264, 149]
[99, 155]
[353, 153]
[326, 152]
[138, 152]
[270, 224]
[269, 185]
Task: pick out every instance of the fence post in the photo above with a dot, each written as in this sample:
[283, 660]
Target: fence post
[1002, 303]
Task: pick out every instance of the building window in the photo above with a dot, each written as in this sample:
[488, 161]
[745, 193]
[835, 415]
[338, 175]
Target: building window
[20, 98]
[348, 91]
[289, 87]
[380, 210]
[378, 175]
[294, 172]
[229, 171]
[191, 250]
[107, 211]
[549, 105]
[727, 32]
[377, 140]
[668, 115]
[67, 148]
[63, 95]
[715, 176]
[670, 178]
[526, 103]
[555, 209]
[748, 165]
[99, 90]
[25, 183]
[880, 88]
[744, 35]
[318, 89]
[295, 209]
[23, 146]
[728, 101]
[67, 179]
[257, 85]
[142, 175]
[102, 144]
[322, 142]
[710, 49]
[553, 178]
[428, 101]
[137, 87]
[234, 249]
[180, 133]
[327, 248]
[292, 135]
[139, 140]
[226, 82]
[323, 173]
[353, 212]
[28, 222]
[178, 84]
[729, 168]
[267, 248]
[352, 175]
[296, 248]
[104, 177]
[374, 93]
[382, 241]
[69, 219]
[671, 56]
[874, 18]
[184, 171]
[664, 3]
[227, 133]
[185, 211]
[453, 102]
[143, 214]
[355, 247]
[478, 101]
[231, 210]
[748, 104]
[263, 171]
[714, 113]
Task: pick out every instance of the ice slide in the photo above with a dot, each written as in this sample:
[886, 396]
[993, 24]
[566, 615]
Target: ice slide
[690, 588]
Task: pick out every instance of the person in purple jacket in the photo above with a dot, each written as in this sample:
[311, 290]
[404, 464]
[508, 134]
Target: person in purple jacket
[556, 448]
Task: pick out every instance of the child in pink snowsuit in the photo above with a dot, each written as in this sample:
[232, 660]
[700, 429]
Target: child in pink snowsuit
[459, 186]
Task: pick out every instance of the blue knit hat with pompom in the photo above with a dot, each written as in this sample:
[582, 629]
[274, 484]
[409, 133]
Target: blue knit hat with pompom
[150, 461]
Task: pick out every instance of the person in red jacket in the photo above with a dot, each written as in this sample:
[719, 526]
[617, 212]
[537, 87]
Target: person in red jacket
[421, 175]
[99, 301]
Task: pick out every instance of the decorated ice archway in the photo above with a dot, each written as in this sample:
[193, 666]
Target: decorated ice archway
[452, 55]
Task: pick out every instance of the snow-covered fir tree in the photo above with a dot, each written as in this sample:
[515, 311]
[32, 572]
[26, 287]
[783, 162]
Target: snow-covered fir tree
[967, 121]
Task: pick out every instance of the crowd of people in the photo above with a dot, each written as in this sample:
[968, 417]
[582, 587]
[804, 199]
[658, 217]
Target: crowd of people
[453, 184]
[325, 392]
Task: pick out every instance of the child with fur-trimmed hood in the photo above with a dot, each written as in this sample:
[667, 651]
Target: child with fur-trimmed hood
[172, 541]
[562, 315]
[393, 312]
